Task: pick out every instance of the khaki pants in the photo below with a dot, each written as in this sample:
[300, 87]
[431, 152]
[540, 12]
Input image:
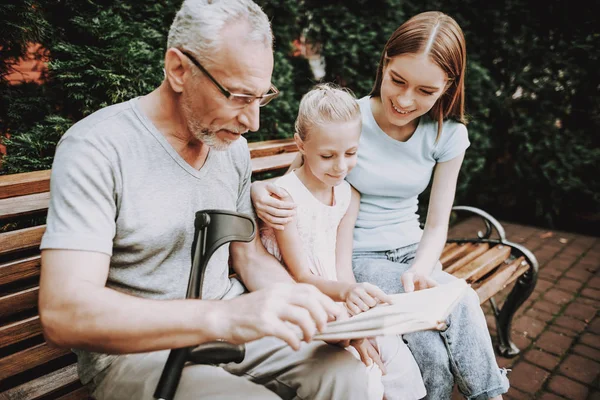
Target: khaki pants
[270, 370]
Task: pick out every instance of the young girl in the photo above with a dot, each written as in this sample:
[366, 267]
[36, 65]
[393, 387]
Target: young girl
[413, 127]
[317, 246]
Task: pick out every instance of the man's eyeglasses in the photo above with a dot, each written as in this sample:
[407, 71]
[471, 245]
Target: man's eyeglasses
[236, 99]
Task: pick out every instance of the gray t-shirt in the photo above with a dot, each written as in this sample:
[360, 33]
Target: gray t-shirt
[119, 188]
[390, 175]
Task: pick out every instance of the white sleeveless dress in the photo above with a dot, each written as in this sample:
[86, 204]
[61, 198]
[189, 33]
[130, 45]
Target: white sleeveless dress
[317, 226]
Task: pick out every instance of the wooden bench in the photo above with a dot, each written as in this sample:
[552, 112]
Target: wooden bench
[31, 369]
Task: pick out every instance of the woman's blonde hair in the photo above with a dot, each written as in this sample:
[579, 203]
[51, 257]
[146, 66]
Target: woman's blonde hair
[325, 103]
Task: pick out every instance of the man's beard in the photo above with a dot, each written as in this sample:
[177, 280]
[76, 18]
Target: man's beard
[205, 134]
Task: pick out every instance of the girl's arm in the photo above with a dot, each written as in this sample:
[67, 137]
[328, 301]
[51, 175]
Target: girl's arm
[294, 256]
[438, 216]
[358, 296]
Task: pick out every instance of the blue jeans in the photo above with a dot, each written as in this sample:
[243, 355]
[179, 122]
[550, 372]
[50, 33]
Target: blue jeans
[461, 354]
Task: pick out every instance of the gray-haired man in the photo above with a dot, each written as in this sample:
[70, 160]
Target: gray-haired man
[126, 182]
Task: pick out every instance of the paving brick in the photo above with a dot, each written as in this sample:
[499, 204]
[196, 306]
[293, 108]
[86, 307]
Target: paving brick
[578, 275]
[563, 331]
[520, 340]
[529, 326]
[554, 343]
[567, 322]
[594, 326]
[557, 296]
[594, 283]
[540, 358]
[516, 394]
[569, 285]
[590, 339]
[539, 314]
[586, 351]
[591, 293]
[551, 273]
[546, 306]
[528, 377]
[580, 311]
[580, 368]
[568, 388]
[542, 285]
[550, 396]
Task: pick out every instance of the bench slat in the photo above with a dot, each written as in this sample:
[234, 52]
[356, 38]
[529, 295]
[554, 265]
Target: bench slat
[81, 393]
[19, 331]
[25, 360]
[24, 205]
[43, 385]
[497, 281]
[17, 302]
[23, 184]
[448, 247]
[480, 248]
[21, 239]
[484, 263]
[455, 253]
[270, 163]
[271, 147]
[20, 269]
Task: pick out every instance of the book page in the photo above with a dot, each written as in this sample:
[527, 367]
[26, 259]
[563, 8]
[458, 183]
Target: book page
[410, 312]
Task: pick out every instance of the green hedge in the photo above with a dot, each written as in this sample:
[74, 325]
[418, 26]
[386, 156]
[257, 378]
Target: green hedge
[532, 84]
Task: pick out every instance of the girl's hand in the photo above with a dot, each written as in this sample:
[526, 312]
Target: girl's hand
[272, 204]
[360, 297]
[412, 280]
[368, 352]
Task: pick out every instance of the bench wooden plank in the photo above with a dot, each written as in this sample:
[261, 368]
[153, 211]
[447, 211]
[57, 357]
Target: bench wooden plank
[20, 269]
[44, 385]
[81, 393]
[24, 360]
[16, 302]
[480, 248]
[24, 205]
[448, 247]
[455, 253]
[21, 239]
[484, 263]
[271, 147]
[270, 163]
[523, 267]
[498, 281]
[19, 331]
[23, 184]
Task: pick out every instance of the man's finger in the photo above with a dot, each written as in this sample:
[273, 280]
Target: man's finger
[281, 330]
[302, 319]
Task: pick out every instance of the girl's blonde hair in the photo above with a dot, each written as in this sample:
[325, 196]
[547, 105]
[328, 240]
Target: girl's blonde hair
[325, 103]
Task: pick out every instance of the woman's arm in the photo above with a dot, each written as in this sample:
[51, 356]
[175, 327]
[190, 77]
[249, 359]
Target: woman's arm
[436, 226]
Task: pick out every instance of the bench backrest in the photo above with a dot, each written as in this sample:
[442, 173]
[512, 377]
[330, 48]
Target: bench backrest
[29, 368]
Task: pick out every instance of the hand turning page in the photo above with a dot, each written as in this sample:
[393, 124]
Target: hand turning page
[410, 312]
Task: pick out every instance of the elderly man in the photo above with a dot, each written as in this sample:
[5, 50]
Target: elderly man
[126, 182]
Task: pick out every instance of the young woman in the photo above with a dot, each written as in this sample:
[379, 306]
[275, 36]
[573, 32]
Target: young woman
[414, 127]
[316, 247]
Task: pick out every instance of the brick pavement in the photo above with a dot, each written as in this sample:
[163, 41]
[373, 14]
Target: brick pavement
[558, 327]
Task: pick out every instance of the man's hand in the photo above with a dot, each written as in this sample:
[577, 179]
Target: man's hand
[272, 204]
[368, 352]
[412, 281]
[360, 297]
[274, 312]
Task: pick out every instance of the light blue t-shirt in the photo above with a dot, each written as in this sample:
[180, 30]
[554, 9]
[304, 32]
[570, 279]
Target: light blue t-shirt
[391, 174]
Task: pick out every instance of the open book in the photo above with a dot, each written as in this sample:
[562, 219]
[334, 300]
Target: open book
[410, 312]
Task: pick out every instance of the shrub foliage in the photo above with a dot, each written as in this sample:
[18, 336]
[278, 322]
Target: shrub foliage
[532, 85]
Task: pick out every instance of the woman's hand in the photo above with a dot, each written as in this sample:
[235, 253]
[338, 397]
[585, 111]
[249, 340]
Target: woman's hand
[360, 297]
[273, 205]
[368, 352]
[413, 280]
